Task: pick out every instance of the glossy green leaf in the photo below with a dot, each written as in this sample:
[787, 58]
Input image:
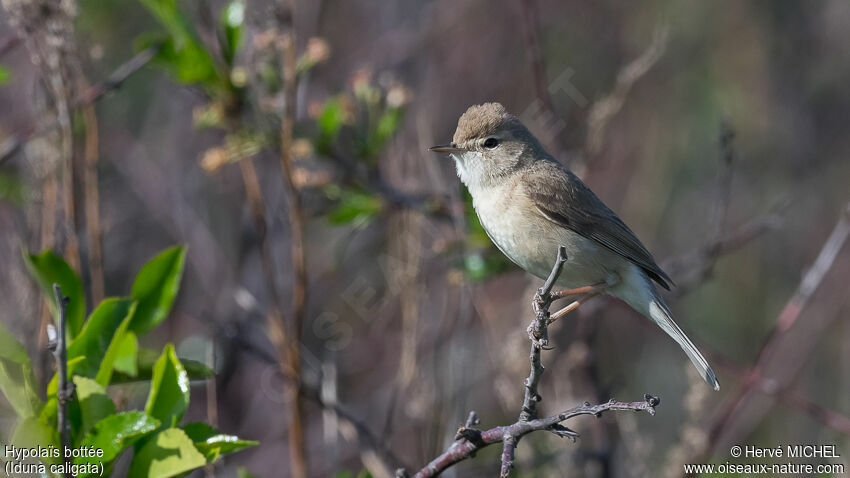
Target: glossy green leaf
[101, 339]
[212, 443]
[4, 75]
[17, 381]
[47, 268]
[94, 404]
[155, 288]
[169, 394]
[145, 361]
[232, 25]
[168, 453]
[126, 360]
[116, 432]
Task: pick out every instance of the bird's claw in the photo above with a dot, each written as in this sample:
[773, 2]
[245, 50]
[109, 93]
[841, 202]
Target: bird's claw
[537, 335]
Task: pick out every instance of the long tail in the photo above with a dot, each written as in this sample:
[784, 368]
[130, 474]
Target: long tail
[660, 314]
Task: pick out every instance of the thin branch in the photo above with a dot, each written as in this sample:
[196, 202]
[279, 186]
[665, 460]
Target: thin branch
[724, 178]
[528, 12]
[469, 440]
[49, 121]
[785, 394]
[297, 440]
[538, 333]
[603, 110]
[92, 203]
[786, 319]
[697, 266]
[369, 442]
[65, 390]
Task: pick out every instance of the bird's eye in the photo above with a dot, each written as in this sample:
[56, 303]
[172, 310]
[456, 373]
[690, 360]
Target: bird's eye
[491, 143]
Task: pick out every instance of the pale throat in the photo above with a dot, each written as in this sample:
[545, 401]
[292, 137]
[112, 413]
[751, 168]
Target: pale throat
[464, 163]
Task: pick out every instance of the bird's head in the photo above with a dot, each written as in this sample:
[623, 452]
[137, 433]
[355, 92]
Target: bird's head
[489, 145]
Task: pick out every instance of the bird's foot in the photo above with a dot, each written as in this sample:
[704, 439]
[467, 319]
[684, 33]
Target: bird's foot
[538, 334]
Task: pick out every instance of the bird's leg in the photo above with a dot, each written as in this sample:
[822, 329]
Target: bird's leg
[588, 289]
[573, 305]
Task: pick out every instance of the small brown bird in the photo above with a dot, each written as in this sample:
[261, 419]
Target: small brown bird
[530, 205]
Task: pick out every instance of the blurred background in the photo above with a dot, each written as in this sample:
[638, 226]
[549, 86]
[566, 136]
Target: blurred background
[286, 145]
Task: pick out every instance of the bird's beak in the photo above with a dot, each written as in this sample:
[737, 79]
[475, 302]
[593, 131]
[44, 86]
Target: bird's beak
[446, 148]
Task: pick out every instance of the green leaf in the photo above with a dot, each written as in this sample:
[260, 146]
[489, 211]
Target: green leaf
[47, 268]
[10, 348]
[355, 207]
[168, 453]
[94, 404]
[212, 443]
[145, 361]
[243, 472]
[12, 189]
[128, 354]
[17, 380]
[385, 129]
[4, 75]
[232, 25]
[101, 339]
[155, 287]
[330, 121]
[33, 432]
[169, 395]
[181, 54]
[117, 432]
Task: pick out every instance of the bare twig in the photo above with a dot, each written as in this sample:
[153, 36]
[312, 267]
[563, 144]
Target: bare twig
[724, 178]
[92, 202]
[65, 390]
[697, 265]
[528, 12]
[538, 332]
[350, 426]
[787, 395]
[603, 110]
[297, 440]
[786, 319]
[469, 440]
[49, 121]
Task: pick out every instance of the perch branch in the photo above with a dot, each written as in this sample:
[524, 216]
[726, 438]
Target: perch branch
[65, 390]
[469, 440]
